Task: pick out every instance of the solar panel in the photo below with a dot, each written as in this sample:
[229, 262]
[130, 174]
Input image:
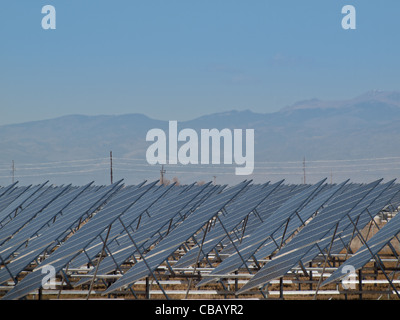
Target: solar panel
[143, 236]
[313, 233]
[19, 203]
[47, 197]
[70, 219]
[395, 202]
[46, 216]
[264, 230]
[261, 213]
[80, 240]
[164, 221]
[143, 226]
[209, 209]
[345, 227]
[10, 195]
[297, 221]
[272, 207]
[237, 210]
[377, 206]
[278, 198]
[7, 189]
[236, 213]
[264, 210]
[368, 250]
[139, 210]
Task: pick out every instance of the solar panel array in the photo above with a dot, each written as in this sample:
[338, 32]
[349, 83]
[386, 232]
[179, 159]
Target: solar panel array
[144, 231]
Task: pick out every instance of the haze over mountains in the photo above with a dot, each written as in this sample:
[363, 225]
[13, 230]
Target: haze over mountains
[366, 127]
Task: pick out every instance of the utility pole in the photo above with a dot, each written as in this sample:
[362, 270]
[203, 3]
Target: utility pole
[162, 171]
[304, 170]
[13, 171]
[215, 180]
[111, 168]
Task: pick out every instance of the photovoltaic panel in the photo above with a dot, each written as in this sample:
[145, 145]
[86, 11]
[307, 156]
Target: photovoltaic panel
[7, 189]
[150, 233]
[269, 206]
[165, 220]
[47, 215]
[27, 214]
[80, 240]
[313, 233]
[368, 251]
[70, 219]
[138, 209]
[264, 210]
[298, 220]
[209, 209]
[30, 201]
[262, 233]
[395, 203]
[292, 224]
[19, 203]
[11, 195]
[278, 198]
[147, 234]
[377, 206]
[363, 208]
[236, 213]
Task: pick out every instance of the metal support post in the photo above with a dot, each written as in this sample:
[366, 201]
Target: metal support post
[237, 250]
[147, 288]
[378, 260]
[98, 262]
[197, 259]
[326, 260]
[144, 260]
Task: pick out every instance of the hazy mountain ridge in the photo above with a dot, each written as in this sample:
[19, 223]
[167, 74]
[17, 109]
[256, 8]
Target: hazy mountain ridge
[363, 127]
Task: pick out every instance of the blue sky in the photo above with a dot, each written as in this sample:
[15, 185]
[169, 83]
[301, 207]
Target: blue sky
[180, 59]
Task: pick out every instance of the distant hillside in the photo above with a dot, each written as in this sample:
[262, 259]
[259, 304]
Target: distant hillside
[364, 127]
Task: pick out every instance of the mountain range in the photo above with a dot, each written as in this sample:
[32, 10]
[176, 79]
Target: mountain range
[365, 127]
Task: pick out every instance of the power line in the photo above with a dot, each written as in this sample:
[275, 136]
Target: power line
[298, 167]
[58, 167]
[53, 173]
[122, 164]
[56, 162]
[116, 160]
[255, 162]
